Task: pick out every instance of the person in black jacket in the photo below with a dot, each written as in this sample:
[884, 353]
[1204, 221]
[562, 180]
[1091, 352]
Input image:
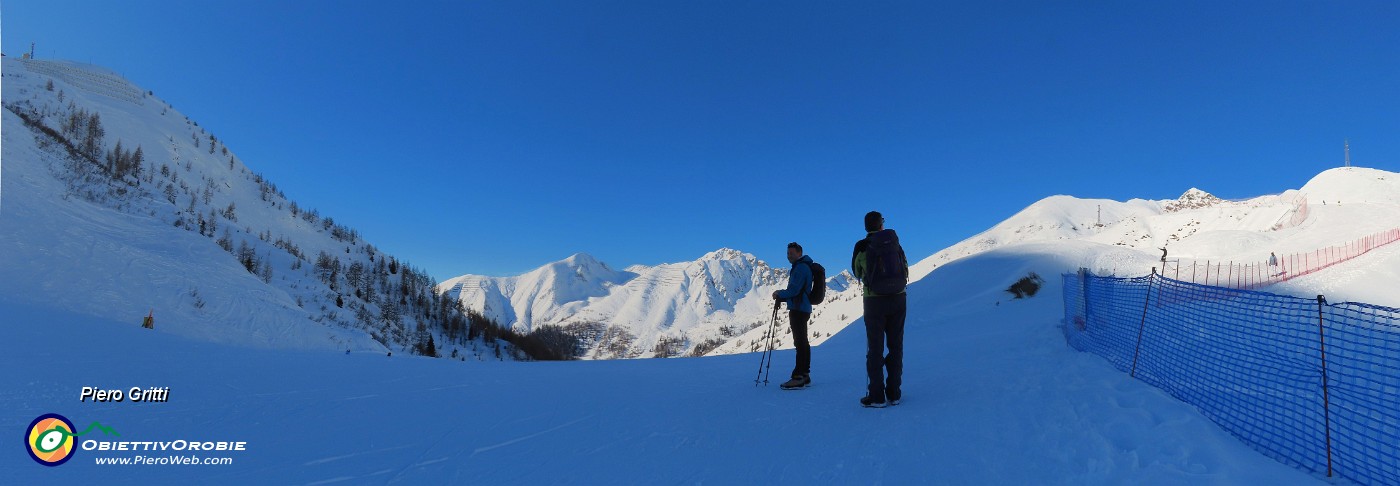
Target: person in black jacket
[879, 262]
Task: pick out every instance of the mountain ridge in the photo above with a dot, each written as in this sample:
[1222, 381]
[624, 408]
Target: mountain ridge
[139, 210]
[687, 307]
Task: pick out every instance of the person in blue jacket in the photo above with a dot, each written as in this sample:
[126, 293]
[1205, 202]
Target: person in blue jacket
[799, 312]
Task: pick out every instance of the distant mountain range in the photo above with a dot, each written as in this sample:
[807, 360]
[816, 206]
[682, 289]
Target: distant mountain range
[674, 309]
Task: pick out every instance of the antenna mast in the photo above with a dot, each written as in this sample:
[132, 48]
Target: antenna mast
[1346, 147]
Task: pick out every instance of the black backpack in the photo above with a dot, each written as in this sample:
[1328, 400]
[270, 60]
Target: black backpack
[886, 270]
[818, 292]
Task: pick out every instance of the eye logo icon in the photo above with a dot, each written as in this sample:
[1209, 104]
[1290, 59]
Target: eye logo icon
[50, 439]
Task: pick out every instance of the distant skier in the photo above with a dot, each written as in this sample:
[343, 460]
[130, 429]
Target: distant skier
[1164, 253]
[879, 262]
[799, 312]
[1273, 263]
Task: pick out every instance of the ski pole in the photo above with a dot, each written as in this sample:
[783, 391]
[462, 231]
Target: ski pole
[772, 336]
[762, 357]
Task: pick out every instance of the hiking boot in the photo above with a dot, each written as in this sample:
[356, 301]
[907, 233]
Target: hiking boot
[796, 382]
[868, 402]
[893, 398]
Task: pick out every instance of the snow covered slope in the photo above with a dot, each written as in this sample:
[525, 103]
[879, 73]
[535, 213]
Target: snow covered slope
[1359, 201]
[672, 309]
[185, 230]
[1343, 204]
[1349, 185]
[992, 396]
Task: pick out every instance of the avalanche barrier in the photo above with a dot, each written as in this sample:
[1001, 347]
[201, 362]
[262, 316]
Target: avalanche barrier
[1312, 384]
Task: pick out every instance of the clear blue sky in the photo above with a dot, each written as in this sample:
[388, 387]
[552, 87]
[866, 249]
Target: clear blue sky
[493, 137]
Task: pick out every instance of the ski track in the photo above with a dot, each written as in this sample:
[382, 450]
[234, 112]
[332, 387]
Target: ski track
[525, 438]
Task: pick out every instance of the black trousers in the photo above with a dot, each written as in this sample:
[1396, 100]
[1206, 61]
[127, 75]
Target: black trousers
[884, 325]
[799, 338]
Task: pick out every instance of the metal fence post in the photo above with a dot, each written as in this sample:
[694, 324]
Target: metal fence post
[1132, 373]
[1326, 400]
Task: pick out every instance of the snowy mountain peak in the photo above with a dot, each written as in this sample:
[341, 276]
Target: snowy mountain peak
[663, 310]
[1192, 199]
[1354, 184]
[727, 254]
[728, 265]
[582, 260]
[586, 268]
[1195, 193]
[841, 281]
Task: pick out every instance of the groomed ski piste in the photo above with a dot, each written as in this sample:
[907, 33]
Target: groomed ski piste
[992, 394]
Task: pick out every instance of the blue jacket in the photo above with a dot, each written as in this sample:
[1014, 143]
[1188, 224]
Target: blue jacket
[799, 283]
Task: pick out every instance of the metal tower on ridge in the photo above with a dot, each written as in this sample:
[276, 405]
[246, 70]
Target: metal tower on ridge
[1346, 148]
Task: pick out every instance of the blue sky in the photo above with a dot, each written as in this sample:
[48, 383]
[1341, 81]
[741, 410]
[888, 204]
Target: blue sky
[494, 137]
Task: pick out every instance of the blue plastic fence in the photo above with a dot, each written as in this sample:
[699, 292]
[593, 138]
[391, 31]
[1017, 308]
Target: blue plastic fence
[1311, 384]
